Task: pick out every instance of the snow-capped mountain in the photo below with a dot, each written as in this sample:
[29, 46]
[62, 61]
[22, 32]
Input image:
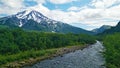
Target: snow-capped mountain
[31, 15]
[34, 20]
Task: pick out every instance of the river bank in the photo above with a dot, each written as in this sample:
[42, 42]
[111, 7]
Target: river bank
[89, 57]
[50, 53]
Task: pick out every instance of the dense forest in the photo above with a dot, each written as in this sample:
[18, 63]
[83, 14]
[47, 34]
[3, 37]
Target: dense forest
[15, 41]
[112, 53]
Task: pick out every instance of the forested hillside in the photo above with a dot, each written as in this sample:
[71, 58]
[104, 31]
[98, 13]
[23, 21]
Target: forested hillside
[15, 41]
[113, 29]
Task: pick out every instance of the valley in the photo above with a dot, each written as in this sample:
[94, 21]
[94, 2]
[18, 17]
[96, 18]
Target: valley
[30, 38]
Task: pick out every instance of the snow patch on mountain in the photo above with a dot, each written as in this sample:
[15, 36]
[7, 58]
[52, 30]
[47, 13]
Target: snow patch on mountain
[33, 15]
[20, 25]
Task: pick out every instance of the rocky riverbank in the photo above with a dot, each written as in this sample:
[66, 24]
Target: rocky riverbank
[89, 57]
[31, 61]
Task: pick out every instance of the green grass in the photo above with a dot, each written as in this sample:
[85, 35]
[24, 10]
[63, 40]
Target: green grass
[26, 55]
[18, 45]
[4, 59]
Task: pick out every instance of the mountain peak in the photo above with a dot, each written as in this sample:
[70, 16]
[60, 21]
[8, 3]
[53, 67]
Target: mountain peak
[26, 12]
[118, 23]
[106, 26]
[34, 20]
[101, 29]
[31, 14]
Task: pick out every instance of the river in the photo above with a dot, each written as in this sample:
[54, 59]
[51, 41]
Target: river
[89, 57]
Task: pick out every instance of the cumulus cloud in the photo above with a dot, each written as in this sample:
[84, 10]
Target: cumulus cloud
[61, 1]
[73, 8]
[12, 3]
[14, 6]
[10, 6]
[113, 12]
[44, 10]
[104, 3]
[103, 11]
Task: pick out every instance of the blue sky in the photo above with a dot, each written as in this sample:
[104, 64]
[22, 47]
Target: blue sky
[87, 14]
[65, 6]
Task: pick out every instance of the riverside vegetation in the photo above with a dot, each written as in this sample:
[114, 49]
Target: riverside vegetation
[17, 44]
[112, 53]
[111, 41]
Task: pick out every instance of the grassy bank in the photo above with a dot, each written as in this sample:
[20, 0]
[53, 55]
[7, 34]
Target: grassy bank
[22, 58]
[112, 53]
[31, 57]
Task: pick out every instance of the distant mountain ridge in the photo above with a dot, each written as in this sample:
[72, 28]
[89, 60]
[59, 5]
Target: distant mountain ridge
[34, 20]
[113, 29]
[101, 29]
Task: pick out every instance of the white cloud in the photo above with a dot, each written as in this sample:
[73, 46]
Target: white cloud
[92, 24]
[104, 10]
[104, 3]
[88, 16]
[67, 17]
[12, 3]
[11, 6]
[113, 12]
[61, 1]
[45, 11]
[74, 8]
[14, 6]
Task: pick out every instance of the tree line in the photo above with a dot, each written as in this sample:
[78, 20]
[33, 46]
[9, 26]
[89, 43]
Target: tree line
[17, 40]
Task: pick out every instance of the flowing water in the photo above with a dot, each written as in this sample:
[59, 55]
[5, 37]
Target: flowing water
[89, 57]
